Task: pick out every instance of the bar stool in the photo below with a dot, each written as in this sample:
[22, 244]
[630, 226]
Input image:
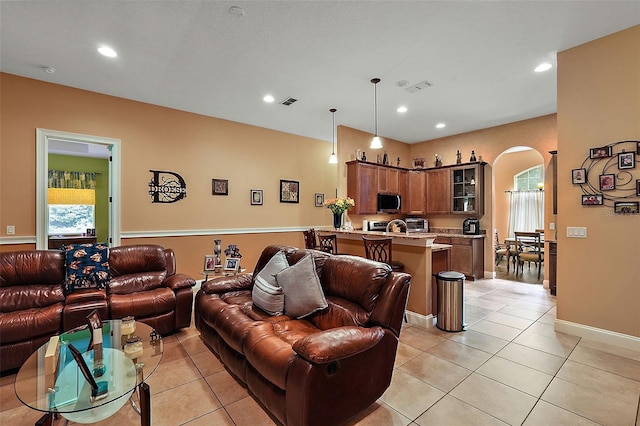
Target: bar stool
[310, 238]
[379, 249]
[328, 243]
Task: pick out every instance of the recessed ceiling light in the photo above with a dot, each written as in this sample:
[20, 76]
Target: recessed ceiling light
[49, 70]
[402, 109]
[543, 67]
[268, 98]
[440, 126]
[107, 51]
[236, 11]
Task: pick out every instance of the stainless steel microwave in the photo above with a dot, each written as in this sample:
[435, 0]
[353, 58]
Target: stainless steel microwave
[389, 203]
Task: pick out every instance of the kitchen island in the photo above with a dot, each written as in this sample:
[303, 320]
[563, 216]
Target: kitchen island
[421, 259]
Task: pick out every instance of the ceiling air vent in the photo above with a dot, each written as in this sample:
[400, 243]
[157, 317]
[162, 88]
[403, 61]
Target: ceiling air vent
[288, 101]
[418, 87]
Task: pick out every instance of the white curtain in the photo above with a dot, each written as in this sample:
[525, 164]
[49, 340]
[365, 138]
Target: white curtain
[526, 211]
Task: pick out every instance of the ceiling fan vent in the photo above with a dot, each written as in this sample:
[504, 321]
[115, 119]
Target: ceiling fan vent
[419, 87]
[288, 101]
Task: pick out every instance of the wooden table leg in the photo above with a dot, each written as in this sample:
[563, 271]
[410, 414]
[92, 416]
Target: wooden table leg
[145, 404]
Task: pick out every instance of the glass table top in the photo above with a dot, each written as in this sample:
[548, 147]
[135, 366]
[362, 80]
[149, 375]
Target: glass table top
[60, 387]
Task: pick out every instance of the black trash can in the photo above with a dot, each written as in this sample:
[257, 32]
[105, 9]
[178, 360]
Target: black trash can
[450, 301]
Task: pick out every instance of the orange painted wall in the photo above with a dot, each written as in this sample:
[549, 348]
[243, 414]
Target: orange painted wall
[598, 103]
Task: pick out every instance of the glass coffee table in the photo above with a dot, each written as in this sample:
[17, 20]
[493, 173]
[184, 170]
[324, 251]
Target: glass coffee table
[58, 387]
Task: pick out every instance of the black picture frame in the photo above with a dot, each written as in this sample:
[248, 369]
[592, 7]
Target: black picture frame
[637, 187]
[289, 191]
[592, 200]
[257, 197]
[600, 152]
[626, 160]
[98, 390]
[219, 186]
[319, 200]
[607, 182]
[626, 207]
[578, 176]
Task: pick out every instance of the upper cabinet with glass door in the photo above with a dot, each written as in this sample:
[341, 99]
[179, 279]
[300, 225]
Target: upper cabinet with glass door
[467, 189]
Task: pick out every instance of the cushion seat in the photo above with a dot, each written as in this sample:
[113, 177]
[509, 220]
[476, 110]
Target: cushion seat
[20, 325]
[142, 304]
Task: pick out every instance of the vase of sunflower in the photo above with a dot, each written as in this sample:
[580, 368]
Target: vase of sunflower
[338, 206]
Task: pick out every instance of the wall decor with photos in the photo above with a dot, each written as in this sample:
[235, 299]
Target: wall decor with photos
[219, 187]
[289, 191]
[610, 176]
[319, 200]
[256, 197]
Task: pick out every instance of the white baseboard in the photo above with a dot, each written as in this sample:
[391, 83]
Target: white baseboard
[598, 334]
[545, 283]
[490, 274]
[424, 321]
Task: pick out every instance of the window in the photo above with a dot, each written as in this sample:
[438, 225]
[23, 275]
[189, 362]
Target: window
[529, 179]
[71, 211]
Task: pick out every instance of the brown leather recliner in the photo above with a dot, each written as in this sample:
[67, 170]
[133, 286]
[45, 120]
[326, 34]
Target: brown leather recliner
[319, 370]
[31, 302]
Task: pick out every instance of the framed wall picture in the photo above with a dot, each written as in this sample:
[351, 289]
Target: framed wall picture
[289, 191]
[231, 264]
[638, 188]
[626, 207]
[607, 182]
[626, 160]
[319, 200]
[602, 152]
[219, 187]
[592, 200]
[209, 262]
[256, 197]
[578, 176]
[638, 148]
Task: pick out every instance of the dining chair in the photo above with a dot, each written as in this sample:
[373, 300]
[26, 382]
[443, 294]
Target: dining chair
[503, 250]
[328, 243]
[530, 249]
[310, 238]
[380, 250]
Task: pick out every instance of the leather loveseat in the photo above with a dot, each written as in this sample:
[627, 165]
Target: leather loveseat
[34, 304]
[322, 369]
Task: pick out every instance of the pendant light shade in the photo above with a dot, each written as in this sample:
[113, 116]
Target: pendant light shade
[376, 143]
[333, 158]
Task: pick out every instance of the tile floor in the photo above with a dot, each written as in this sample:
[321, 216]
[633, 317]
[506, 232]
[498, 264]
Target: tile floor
[509, 367]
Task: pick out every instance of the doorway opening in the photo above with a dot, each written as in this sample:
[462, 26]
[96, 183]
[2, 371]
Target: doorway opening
[53, 141]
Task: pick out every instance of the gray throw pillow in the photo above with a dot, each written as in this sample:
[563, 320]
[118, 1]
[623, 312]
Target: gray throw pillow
[276, 264]
[267, 297]
[303, 293]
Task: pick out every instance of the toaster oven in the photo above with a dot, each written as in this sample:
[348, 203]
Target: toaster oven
[417, 224]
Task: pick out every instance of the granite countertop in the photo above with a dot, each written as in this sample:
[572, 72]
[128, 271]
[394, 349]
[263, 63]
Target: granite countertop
[411, 239]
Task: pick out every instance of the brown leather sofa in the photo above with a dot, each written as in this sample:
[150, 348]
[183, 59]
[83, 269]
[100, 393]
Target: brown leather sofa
[34, 306]
[319, 370]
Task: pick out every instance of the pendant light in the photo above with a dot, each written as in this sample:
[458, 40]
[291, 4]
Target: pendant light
[333, 159]
[376, 143]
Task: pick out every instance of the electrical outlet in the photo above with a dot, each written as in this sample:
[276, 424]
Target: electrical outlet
[552, 225]
[576, 232]
[11, 230]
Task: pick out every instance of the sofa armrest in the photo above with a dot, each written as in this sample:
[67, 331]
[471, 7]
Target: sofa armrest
[226, 284]
[337, 343]
[178, 281]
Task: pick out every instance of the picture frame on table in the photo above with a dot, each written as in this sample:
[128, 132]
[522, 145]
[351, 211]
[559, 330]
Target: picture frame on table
[289, 191]
[607, 182]
[601, 152]
[219, 186]
[626, 207]
[578, 176]
[319, 200]
[209, 262]
[257, 197]
[592, 200]
[231, 264]
[626, 160]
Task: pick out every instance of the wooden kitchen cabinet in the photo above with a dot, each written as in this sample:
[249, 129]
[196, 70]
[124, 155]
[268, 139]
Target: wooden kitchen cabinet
[403, 189]
[438, 191]
[417, 184]
[388, 180]
[362, 186]
[467, 255]
[467, 183]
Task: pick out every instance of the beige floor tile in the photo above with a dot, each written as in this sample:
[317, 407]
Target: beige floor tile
[485, 304]
[592, 404]
[560, 345]
[547, 414]
[173, 374]
[419, 338]
[496, 330]
[193, 344]
[459, 354]
[217, 418]
[476, 311]
[533, 358]
[517, 376]
[8, 398]
[537, 307]
[521, 313]
[410, 396]
[472, 294]
[379, 413]
[509, 320]
[226, 387]
[451, 411]
[405, 353]
[507, 404]
[600, 380]
[611, 349]
[172, 351]
[435, 371]
[176, 406]
[481, 341]
[207, 363]
[498, 298]
[612, 363]
[248, 412]
[19, 416]
[548, 318]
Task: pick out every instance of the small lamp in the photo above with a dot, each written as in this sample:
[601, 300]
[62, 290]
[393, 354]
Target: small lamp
[333, 158]
[540, 186]
[376, 143]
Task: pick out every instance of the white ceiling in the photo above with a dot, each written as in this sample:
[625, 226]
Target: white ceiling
[196, 56]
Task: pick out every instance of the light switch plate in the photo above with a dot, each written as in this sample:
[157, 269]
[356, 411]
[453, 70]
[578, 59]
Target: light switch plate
[552, 225]
[576, 231]
[11, 230]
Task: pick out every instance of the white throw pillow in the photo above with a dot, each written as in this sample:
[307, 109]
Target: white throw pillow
[303, 293]
[267, 297]
[276, 264]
